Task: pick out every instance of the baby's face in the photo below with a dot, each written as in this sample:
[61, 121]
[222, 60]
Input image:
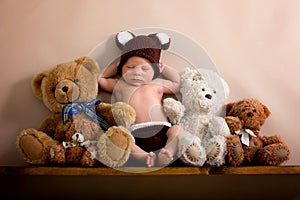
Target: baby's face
[137, 71]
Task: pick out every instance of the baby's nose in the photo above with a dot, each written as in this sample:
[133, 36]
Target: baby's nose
[137, 70]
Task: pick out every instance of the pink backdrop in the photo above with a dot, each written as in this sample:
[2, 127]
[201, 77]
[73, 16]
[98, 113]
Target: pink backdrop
[254, 44]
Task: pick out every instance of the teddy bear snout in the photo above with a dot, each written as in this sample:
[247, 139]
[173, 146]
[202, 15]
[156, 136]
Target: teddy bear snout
[78, 137]
[65, 89]
[208, 96]
[250, 114]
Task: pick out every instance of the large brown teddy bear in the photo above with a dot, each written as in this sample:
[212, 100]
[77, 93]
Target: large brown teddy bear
[80, 129]
[245, 145]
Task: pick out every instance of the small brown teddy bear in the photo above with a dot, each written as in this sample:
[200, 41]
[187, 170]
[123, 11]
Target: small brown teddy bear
[80, 129]
[245, 145]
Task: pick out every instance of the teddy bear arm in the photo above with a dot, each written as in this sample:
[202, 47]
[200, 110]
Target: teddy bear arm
[174, 110]
[49, 125]
[218, 126]
[123, 114]
[267, 140]
[117, 114]
[105, 110]
[233, 123]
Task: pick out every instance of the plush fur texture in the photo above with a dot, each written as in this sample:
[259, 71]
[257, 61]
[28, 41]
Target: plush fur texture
[79, 140]
[245, 145]
[199, 113]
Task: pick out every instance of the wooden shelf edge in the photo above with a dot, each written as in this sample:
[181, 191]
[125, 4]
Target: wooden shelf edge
[126, 171]
[252, 170]
[135, 171]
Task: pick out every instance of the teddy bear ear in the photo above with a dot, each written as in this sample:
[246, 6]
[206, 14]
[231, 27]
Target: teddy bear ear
[229, 107]
[266, 110]
[163, 38]
[225, 87]
[187, 73]
[123, 37]
[89, 63]
[37, 84]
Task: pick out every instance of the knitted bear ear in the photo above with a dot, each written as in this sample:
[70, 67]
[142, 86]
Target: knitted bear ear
[164, 39]
[123, 37]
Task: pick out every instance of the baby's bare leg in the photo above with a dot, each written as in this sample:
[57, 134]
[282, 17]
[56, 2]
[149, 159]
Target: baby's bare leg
[143, 156]
[165, 156]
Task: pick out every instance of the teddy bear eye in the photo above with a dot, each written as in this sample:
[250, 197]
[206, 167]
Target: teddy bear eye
[243, 110]
[76, 81]
[254, 110]
[203, 89]
[53, 89]
[214, 91]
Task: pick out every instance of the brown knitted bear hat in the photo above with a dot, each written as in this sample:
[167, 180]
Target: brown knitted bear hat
[148, 47]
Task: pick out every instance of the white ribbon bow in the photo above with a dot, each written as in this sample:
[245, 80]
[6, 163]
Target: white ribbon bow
[245, 135]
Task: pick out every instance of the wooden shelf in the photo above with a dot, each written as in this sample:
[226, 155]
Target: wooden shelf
[252, 170]
[106, 171]
[134, 183]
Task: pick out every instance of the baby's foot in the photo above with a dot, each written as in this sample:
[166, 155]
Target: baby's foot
[151, 157]
[164, 157]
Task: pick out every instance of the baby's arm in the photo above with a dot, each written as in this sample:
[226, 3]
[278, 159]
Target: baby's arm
[171, 83]
[106, 80]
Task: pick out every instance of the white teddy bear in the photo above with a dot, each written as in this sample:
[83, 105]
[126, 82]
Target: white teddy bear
[201, 114]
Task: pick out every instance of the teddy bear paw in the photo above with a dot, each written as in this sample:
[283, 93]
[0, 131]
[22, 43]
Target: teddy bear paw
[57, 154]
[194, 155]
[32, 149]
[216, 150]
[124, 114]
[274, 154]
[173, 109]
[34, 146]
[190, 149]
[233, 123]
[235, 152]
[114, 146]
[88, 159]
[213, 151]
[282, 153]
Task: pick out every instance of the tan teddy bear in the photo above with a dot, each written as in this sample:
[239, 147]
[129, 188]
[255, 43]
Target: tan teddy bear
[245, 145]
[80, 129]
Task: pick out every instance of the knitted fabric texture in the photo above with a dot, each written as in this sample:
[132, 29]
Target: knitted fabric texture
[148, 47]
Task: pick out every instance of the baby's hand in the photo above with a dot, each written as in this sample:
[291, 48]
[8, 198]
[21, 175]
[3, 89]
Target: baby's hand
[117, 64]
[161, 66]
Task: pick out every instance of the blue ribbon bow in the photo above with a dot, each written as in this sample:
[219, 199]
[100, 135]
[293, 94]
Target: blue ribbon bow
[89, 109]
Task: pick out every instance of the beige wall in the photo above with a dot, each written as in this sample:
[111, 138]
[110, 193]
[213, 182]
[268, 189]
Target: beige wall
[254, 44]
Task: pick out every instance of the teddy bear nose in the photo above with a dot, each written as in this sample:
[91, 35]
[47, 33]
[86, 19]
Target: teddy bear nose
[249, 114]
[208, 96]
[65, 89]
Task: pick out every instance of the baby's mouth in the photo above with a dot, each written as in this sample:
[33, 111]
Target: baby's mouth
[137, 79]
